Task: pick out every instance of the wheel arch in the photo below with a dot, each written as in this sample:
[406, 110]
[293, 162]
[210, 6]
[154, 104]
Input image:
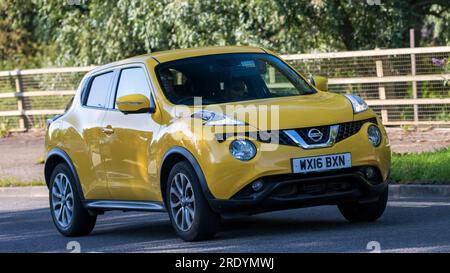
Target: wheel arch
[57, 156]
[173, 156]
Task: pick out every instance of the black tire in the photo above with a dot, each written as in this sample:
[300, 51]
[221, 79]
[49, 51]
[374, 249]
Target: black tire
[81, 222]
[367, 212]
[205, 221]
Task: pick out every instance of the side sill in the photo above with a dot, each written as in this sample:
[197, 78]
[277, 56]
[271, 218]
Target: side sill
[105, 205]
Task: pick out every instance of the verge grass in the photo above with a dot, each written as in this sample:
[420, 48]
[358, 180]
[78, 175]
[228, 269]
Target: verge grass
[421, 168]
[14, 182]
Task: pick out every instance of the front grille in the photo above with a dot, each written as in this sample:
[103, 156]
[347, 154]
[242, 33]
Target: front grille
[325, 130]
[349, 129]
[346, 130]
[266, 137]
[285, 140]
[262, 136]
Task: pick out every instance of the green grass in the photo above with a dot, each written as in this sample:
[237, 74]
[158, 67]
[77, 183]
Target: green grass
[14, 182]
[422, 168]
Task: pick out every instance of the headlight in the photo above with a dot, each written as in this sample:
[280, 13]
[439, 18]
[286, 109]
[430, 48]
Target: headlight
[374, 135]
[358, 104]
[212, 118]
[242, 149]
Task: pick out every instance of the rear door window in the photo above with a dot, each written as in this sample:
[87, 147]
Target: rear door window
[99, 90]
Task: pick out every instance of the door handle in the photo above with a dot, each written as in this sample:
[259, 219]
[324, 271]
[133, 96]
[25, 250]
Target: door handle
[108, 130]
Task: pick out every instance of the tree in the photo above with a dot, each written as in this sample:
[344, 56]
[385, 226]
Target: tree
[35, 32]
[16, 35]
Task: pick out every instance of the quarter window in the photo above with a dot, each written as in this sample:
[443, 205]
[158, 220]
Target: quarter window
[98, 93]
[133, 81]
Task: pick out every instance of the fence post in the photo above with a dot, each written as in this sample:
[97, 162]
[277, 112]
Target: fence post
[19, 96]
[413, 73]
[381, 91]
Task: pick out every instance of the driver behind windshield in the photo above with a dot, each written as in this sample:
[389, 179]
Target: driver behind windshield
[167, 80]
[238, 90]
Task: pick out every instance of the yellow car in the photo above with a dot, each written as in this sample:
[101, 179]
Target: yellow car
[209, 133]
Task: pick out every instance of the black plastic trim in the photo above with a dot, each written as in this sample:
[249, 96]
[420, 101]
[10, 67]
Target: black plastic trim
[201, 177]
[87, 89]
[265, 201]
[116, 82]
[60, 153]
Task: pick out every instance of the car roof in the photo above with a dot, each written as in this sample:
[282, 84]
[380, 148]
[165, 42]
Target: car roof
[171, 55]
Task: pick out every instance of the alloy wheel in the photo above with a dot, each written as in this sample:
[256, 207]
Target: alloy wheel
[182, 201]
[62, 200]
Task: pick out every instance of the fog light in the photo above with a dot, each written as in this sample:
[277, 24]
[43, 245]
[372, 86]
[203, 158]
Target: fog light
[242, 149]
[369, 172]
[257, 185]
[374, 135]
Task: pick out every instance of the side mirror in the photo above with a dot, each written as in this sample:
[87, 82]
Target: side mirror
[134, 104]
[319, 82]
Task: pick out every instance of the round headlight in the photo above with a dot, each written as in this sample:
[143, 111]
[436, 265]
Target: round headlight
[242, 149]
[374, 135]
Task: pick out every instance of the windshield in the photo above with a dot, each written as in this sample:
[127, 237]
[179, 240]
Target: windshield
[229, 78]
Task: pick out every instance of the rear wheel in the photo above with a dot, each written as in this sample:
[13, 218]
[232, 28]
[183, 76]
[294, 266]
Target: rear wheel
[367, 212]
[189, 211]
[68, 213]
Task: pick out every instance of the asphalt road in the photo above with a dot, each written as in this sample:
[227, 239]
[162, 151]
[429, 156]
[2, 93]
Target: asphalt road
[407, 226]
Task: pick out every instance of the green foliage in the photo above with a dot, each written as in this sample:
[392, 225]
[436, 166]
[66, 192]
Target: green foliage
[4, 129]
[447, 70]
[21, 42]
[443, 115]
[41, 32]
[427, 167]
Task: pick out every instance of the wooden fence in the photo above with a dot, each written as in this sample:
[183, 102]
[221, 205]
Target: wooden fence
[402, 85]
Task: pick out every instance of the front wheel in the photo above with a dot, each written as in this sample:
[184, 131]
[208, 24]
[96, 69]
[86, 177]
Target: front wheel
[68, 213]
[367, 212]
[189, 212]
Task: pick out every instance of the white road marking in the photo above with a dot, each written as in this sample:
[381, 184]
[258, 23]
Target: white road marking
[429, 249]
[415, 204]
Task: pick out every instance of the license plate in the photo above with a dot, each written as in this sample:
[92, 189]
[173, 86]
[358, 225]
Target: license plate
[321, 163]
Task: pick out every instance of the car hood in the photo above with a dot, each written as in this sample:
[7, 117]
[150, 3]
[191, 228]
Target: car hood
[322, 108]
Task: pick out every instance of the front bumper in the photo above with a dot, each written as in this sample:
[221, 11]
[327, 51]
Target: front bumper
[300, 190]
[226, 176]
